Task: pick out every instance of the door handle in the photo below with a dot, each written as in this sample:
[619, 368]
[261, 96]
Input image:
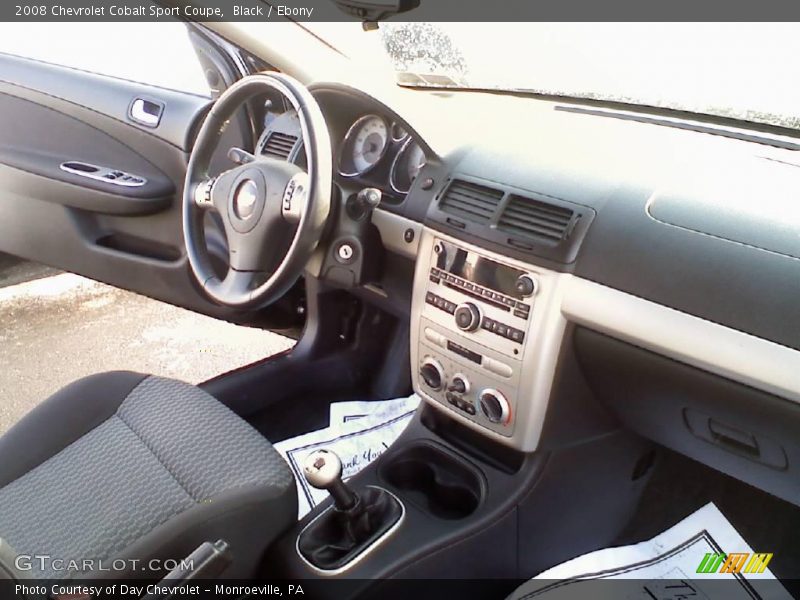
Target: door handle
[146, 112]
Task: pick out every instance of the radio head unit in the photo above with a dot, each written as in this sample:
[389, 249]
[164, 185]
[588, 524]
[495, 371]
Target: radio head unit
[484, 272]
[485, 337]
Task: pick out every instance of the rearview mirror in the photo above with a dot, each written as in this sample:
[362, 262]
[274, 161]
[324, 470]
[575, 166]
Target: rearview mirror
[375, 10]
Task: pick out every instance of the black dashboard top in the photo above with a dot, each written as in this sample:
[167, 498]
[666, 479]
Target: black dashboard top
[703, 224]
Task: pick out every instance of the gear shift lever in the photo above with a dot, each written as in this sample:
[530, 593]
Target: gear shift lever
[323, 470]
[356, 521]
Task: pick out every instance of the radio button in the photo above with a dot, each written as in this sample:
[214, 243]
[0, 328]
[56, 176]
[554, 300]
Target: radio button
[450, 306]
[430, 298]
[434, 279]
[516, 335]
[501, 329]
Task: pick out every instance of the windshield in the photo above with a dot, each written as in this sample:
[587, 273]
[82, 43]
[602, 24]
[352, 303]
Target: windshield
[735, 70]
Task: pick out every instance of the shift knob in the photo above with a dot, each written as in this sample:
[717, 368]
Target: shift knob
[323, 470]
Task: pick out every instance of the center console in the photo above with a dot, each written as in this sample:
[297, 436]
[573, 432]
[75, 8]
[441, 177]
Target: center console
[465, 475]
[486, 331]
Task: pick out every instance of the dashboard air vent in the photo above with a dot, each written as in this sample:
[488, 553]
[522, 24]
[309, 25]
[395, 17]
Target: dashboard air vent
[279, 145]
[529, 218]
[470, 201]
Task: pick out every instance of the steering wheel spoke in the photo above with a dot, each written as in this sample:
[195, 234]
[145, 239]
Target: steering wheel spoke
[236, 285]
[202, 194]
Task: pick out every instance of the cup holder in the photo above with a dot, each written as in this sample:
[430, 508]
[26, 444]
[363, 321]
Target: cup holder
[436, 481]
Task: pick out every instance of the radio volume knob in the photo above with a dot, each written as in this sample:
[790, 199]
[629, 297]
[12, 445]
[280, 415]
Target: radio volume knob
[468, 316]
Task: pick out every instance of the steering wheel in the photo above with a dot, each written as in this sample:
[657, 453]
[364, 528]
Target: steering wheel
[260, 201]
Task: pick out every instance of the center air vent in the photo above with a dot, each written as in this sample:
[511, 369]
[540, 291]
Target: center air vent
[470, 201]
[530, 218]
[279, 145]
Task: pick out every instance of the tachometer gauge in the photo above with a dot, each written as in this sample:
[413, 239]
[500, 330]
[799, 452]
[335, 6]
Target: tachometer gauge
[364, 145]
[406, 166]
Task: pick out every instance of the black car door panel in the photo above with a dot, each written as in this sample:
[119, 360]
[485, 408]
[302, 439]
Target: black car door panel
[108, 96]
[127, 235]
[42, 142]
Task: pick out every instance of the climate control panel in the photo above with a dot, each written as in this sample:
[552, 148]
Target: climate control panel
[478, 383]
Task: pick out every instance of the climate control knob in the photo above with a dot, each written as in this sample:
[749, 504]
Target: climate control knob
[494, 406]
[432, 374]
[468, 316]
[459, 384]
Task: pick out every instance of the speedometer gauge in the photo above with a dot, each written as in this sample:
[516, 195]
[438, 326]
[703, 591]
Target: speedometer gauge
[406, 166]
[364, 145]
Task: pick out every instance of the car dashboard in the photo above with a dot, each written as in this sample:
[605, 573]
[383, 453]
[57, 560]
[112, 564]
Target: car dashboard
[664, 260]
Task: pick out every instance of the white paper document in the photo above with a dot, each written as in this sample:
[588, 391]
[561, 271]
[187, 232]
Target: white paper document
[359, 432]
[666, 567]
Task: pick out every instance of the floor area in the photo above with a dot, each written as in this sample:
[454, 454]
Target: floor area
[58, 327]
[679, 486]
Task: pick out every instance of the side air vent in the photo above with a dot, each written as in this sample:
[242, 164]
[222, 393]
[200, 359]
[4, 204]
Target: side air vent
[279, 145]
[470, 201]
[529, 218]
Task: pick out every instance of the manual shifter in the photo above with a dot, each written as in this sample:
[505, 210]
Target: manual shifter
[323, 470]
[353, 524]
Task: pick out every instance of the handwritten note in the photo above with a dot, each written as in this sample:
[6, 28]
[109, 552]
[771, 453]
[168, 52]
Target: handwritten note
[359, 432]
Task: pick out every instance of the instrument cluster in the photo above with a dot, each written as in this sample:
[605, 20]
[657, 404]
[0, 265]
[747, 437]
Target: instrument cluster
[380, 153]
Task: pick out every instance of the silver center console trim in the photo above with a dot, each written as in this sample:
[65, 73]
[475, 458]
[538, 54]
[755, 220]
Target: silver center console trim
[525, 377]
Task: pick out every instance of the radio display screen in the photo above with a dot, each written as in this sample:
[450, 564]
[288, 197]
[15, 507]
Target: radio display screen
[477, 269]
